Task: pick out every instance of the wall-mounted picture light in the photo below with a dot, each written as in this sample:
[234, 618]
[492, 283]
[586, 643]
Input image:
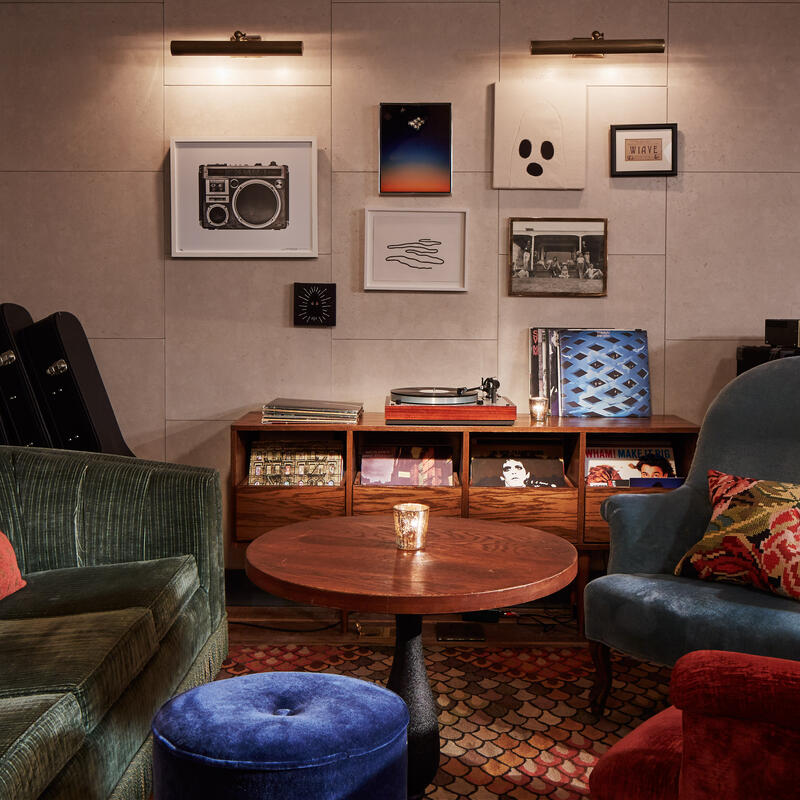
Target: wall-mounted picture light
[240, 44]
[597, 45]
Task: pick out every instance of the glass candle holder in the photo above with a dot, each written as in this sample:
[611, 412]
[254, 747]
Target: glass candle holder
[540, 408]
[410, 525]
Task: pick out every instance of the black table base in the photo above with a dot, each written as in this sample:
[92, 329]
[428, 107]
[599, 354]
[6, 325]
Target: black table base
[409, 679]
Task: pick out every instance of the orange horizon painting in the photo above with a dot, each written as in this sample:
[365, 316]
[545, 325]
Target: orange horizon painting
[415, 148]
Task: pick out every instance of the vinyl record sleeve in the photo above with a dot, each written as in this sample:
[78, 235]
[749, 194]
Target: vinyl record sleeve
[603, 373]
[322, 406]
[664, 483]
[406, 466]
[289, 463]
[541, 472]
[607, 464]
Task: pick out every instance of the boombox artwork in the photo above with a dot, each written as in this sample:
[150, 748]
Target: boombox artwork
[244, 197]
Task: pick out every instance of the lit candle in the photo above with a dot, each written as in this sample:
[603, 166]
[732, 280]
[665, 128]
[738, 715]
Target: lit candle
[410, 525]
[539, 408]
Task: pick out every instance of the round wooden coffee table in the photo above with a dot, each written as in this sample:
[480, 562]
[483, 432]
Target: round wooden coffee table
[466, 565]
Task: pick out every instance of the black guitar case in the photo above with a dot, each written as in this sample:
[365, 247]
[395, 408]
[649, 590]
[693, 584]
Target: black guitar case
[69, 387]
[21, 419]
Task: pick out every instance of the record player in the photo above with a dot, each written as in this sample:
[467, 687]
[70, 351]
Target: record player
[438, 405]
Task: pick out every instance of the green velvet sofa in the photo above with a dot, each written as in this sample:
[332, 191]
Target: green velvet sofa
[124, 607]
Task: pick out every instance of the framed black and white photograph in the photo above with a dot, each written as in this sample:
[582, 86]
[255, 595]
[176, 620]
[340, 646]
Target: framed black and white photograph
[644, 150]
[415, 148]
[423, 250]
[552, 257]
[244, 198]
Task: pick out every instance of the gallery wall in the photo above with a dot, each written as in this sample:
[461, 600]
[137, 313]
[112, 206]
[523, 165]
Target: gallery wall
[91, 98]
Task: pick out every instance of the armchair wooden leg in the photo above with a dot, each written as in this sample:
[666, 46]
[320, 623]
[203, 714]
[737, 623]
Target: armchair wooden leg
[601, 657]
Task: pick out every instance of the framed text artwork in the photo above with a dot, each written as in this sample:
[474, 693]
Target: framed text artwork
[558, 257]
[244, 198]
[421, 250]
[644, 150]
[415, 148]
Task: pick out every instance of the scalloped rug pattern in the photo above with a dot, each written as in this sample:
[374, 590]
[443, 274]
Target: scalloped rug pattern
[514, 722]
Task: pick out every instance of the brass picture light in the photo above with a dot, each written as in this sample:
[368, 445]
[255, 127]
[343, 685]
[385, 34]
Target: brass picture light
[597, 45]
[240, 44]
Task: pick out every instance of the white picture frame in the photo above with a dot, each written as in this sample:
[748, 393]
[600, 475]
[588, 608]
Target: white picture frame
[415, 249]
[244, 198]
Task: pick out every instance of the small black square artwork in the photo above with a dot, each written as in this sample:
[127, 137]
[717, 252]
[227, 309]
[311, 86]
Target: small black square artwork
[315, 305]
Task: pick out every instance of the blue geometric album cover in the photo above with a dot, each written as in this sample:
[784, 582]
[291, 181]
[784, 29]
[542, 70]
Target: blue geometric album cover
[604, 373]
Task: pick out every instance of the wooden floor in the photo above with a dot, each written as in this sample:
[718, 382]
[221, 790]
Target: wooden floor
[520, 626]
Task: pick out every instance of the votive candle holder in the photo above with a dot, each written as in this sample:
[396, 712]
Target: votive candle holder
[410, 525]
[540, 408]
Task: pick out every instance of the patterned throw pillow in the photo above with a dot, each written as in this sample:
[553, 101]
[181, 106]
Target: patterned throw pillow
[10, 578]
[753, 537]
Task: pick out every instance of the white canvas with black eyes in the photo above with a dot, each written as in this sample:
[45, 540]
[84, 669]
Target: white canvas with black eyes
[539, 135]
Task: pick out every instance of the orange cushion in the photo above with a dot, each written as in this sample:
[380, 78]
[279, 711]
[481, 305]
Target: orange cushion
[10, 577]
[753, 537]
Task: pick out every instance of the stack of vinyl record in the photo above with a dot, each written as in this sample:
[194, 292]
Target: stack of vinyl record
[308, 463]
[286, 410]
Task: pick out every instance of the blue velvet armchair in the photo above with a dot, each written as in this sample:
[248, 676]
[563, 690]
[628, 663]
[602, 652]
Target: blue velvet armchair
[640, 607]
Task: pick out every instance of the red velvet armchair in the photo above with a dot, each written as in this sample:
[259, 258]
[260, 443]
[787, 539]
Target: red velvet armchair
[732, 731]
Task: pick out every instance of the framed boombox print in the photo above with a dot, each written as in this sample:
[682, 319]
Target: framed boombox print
[244, 198]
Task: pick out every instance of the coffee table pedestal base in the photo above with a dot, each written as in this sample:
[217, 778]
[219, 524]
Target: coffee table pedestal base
[409, 679]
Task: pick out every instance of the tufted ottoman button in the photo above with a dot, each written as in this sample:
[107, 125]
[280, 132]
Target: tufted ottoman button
[281, 736]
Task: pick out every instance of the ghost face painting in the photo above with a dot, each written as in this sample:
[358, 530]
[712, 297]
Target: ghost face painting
[539, 136]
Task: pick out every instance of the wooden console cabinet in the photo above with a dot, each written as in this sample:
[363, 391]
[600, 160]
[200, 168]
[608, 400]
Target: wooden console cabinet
[572, 512]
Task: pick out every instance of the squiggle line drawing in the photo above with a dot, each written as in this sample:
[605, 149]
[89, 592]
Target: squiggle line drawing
[418, 255]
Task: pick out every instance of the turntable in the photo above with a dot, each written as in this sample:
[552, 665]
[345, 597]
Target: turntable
[437, 405]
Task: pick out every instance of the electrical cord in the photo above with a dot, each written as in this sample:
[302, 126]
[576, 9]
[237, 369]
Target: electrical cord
[543, 619]
[284, 630]
[546, 625]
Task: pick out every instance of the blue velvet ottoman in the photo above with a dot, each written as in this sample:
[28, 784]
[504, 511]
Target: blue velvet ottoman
[281, 735]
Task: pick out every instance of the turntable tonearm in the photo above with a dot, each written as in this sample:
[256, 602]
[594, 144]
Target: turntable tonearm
[438, 405]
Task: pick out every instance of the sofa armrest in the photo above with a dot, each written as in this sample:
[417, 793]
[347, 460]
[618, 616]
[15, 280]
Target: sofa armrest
[80, 509]
[651, 532]
[741, 686]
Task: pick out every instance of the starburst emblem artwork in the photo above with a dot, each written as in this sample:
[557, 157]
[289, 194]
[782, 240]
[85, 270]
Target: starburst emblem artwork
[315, 305]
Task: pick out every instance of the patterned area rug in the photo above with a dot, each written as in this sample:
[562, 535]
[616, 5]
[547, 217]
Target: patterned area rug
[515, 722]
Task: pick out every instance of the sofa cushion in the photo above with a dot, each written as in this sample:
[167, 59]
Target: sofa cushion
[94, 656]
[753, 537]
[10, 579]
[110, 747]
[660, 617]
[162, 585]
[38, 736]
